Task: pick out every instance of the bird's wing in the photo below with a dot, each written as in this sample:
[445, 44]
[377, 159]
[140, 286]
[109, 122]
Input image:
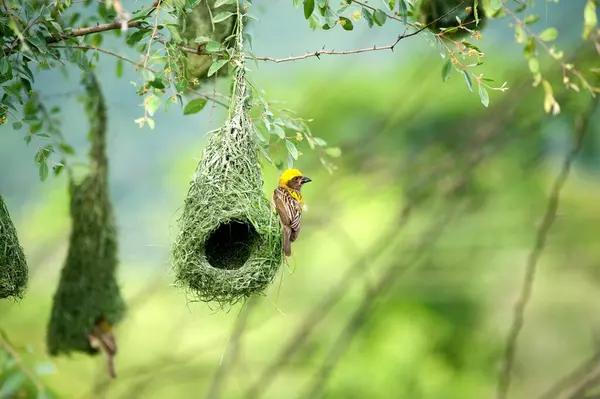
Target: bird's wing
[289, 209]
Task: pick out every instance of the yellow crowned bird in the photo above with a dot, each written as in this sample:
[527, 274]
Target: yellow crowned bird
[288, 202]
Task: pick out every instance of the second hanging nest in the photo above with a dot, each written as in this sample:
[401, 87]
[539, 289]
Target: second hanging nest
[88, 289]
[229, 245]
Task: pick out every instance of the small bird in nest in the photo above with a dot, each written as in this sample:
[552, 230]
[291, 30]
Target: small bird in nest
[289, 202]
[102, 337]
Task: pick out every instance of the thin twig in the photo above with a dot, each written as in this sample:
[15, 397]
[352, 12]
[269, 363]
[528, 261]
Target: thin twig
[319, 53]
[152, 37]
[101, 50]
[233, 349]
[592, 382]
[573, 378]
[504, 379]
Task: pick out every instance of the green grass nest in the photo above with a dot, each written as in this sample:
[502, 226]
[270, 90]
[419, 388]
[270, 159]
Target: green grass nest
[229, 246]
[13, 264]
[88, 287]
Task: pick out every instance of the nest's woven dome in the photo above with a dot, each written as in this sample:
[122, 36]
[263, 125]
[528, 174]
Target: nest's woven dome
[229, 245]
[13, 264]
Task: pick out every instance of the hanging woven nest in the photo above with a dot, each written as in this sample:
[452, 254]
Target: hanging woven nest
[230, 244]
[13, 264]
[442, 14]
[199, 23]
[88, 289]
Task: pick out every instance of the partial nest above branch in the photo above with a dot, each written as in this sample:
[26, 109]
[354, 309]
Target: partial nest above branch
[441, 16]
[200, 23]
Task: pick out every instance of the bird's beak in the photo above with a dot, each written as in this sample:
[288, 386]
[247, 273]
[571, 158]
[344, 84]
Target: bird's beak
[305, 179]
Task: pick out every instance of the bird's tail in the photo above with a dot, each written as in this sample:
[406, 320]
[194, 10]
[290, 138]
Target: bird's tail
[287, 244]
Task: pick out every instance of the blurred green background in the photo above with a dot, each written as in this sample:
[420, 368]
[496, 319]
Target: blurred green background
[475, 180]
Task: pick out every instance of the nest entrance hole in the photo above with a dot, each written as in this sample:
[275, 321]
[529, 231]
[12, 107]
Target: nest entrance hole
[230, 245]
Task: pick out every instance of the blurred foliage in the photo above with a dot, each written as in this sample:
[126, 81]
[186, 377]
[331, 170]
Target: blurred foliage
[413, 149]
[438, 332]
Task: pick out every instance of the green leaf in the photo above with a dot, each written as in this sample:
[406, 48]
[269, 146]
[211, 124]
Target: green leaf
[531, 19]
[534, 65]
[11, 384]
[212, 47]
[309, 7]
[219, 3]
[119, 68]
[590, 19]
[334, 152]
[58, 168]
[496, 4]
[194, 3]
[483, 96]
[43, 171]
[150, 122]
[292, 150]
[320, 142]
[549, 34]
[194, 106]
[379, 17]
[404, 11]
[468, 80]
[346, 23]
[137, 36]
[391, 4]
[152, 104]
[215, 66]
[67, 149]
[366, 14]
[202, 39]
[222, 16]
[446, 69]
[296, 3]
[276, 129]
[476, 12]
[331, 18]
[174, 30]
[17, 125]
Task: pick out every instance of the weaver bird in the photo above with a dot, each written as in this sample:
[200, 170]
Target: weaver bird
[288, 202]
[103, 338]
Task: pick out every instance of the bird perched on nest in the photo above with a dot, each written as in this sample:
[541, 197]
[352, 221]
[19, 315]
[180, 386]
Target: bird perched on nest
[102, 337]
[288, 202]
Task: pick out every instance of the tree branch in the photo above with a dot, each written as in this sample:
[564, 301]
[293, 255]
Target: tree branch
[573, 378]
[504, 379]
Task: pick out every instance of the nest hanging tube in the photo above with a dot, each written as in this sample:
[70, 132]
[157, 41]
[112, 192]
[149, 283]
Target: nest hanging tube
[229, 246]
[13, 264]
[88, 288]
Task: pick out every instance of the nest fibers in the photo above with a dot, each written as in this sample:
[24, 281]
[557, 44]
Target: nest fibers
[230, 244]
[13, 265]
[88, 288]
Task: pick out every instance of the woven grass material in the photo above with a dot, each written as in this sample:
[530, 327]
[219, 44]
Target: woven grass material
[198, 23]
[13, 264]
[88, 288]
[229, 246]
